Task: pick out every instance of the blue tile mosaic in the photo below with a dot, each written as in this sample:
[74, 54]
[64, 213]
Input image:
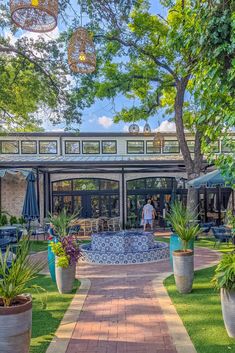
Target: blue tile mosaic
[125, 247]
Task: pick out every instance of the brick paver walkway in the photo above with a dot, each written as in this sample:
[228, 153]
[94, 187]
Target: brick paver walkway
[121, 313]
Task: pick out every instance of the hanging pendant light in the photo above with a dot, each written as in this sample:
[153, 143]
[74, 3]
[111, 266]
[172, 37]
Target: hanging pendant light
[134, 129]
[81, 52]
[158, 140]
[34, 15]
[147, 129]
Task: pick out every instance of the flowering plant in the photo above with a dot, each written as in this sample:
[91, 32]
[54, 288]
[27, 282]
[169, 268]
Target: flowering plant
[67, 251]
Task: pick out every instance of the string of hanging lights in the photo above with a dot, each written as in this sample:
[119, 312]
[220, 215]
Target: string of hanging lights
[34, 15]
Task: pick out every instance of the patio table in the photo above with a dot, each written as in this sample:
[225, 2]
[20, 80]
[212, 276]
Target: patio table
[9, 232]
[4, 243]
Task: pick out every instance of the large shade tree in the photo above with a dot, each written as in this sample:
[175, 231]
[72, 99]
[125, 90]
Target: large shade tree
[164, 63]
[35, 80]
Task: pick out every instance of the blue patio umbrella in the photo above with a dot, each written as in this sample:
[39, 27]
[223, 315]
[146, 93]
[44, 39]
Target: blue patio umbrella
[30, 208]
[212, 179]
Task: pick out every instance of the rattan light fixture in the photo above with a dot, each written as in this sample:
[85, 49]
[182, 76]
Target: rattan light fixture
[134, 129]
[35, 15]
[147, 129]
[158, 140]
[81, 52]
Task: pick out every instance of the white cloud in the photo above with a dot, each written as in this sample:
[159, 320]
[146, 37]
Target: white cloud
[166, 126]
[105, 121]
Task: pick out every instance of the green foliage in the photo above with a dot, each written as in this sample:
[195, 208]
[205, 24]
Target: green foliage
[62, 221]
[13, 220]
[59, 251]
[231, 220]
[225, 272]
[21, 221]
[14, 280]
[183, 221]
[3, 219]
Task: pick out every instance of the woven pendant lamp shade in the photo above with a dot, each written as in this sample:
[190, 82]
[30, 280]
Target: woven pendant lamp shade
[158, 140]
[134, 129]
[81, 52]
[147, 129]
[35, 15]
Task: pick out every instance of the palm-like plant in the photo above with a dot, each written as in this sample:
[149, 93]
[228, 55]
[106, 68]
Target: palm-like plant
[62, 222]
[14, 279]
[225, 272]
[183, 222]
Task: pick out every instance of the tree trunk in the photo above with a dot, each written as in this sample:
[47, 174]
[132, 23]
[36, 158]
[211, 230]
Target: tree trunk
[193, 167]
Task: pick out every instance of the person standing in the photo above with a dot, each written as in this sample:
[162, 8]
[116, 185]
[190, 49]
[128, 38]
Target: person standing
[148, 214]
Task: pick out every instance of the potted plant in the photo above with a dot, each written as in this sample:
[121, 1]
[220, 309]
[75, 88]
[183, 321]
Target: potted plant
[15, 306]
[59, 227]
[184, 225]
[224, 279]
[67, 253]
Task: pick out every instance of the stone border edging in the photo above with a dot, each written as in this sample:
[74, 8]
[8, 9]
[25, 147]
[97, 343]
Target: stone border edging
[177, 330]
[60, 341]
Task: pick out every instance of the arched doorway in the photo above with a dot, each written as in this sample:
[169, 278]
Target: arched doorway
[89, 197]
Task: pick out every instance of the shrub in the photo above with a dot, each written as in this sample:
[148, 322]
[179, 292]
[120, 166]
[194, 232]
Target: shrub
[225, 272]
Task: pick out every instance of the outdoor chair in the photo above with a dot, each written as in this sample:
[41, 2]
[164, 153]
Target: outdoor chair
[37, 231]
[114, 224]
[74, 229]
[221, 235]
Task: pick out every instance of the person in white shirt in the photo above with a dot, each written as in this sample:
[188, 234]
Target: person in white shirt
[148, 215]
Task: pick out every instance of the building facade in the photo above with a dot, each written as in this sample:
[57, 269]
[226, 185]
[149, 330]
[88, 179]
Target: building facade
[99, 174]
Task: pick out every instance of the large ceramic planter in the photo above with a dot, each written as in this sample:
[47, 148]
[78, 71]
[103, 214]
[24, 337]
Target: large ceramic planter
[228, 310]
[183, 263]
[65, 278]
[177, 244]
[15, 326]
[51, 258]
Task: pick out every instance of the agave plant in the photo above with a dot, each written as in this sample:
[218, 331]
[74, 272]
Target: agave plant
[15, 277]
[62, 222]
[225, 272]
[183, 221]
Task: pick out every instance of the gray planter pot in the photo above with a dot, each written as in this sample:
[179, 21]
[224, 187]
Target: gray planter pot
[228, 310]
[65, 278]
[183, 264]
[15, 326]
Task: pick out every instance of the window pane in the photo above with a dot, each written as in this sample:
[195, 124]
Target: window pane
[171, 146]
[72, 147]
[86, 184]
[49, 147]
[77, 205]
[63, 185]
[114, 203]
[10, 147]
[91, 147]
[109, 147]
[28, 147]
[135, 146]
[159, 183]
[108, 185]
[95, 207]
[136, 184]
[68, 204]
[57, 204]
[191, 145]
[151, 149]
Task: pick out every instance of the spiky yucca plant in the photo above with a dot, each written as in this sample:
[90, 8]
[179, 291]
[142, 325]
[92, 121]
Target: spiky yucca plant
[183, 222]
[15, 278]
[62, 222]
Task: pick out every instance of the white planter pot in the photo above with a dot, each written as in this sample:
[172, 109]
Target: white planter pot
[65, 278]
[183, 264]
[15, 326]
[228, 310]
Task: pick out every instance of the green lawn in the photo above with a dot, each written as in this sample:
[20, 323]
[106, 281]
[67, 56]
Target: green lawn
[201, 314]
[41, 245]
[46, 321]
[205, 242]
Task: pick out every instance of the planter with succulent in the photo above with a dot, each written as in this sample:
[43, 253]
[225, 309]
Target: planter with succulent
[59, 227]
[224, 280]
[184, 225]
[15, 306]
[67, 253]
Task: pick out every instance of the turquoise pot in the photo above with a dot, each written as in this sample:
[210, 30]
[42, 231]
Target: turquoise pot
[51, 259]
[176, 244]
